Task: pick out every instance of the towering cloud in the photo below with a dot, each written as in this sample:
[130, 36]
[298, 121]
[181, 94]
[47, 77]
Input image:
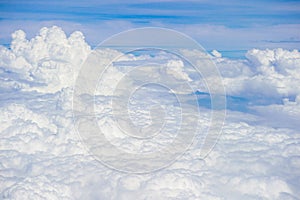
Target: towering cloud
[46, 63]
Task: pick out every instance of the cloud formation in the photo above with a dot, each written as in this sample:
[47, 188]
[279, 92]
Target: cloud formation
[42, 156]
[276, 70]
[47, 62]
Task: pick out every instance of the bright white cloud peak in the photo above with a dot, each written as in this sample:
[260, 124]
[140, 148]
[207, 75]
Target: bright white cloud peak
[49, 61]
[42, 157]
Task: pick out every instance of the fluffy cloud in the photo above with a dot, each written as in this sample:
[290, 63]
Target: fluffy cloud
[47, 62]
[278, 69]
[42, 156]
[268, 73]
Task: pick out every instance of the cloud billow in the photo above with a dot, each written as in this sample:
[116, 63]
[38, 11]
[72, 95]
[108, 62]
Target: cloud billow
[42, 156]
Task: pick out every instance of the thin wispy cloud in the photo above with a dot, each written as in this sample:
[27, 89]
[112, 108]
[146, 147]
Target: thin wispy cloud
[255, 17]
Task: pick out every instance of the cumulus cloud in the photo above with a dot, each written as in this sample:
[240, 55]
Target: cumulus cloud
[47, 62]
[278, 69]
[265, 73]
[42, 156]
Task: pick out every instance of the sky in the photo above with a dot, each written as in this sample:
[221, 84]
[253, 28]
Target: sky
[226, 127]
[223, 25]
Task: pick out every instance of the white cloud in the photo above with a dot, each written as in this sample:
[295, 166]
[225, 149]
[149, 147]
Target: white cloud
[273, 73]
[47, 62]
[217, 54]
[42, 156]
[286, 115]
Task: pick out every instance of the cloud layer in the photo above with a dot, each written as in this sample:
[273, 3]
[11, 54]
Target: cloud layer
[42, 156]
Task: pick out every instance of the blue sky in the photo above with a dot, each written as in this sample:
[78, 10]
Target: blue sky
[223, 25]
